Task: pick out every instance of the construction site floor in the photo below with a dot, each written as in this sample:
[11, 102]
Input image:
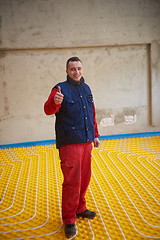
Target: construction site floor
[124, 192]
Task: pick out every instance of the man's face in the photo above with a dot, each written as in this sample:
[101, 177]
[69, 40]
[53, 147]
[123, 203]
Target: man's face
[74, 70]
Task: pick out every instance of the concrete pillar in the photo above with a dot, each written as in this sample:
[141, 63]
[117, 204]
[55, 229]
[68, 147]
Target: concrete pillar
[155, 90]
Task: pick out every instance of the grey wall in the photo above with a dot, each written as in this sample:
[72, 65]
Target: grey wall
[118, 42]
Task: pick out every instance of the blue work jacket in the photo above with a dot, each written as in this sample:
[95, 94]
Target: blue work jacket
[75, 119]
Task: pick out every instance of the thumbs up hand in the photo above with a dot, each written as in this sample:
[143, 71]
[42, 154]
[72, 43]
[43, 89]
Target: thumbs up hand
[58, 98]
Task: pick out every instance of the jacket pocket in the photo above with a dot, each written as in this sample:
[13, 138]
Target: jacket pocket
[90, 102]
[73, 106]
[73, 133]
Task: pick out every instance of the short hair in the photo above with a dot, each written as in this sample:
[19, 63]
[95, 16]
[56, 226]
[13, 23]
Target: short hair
[72, 59]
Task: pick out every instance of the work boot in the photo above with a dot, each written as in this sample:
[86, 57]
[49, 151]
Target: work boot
[70, 230]
[86, 214]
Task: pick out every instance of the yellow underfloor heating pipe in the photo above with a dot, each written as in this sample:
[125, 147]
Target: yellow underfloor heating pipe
[124, 192]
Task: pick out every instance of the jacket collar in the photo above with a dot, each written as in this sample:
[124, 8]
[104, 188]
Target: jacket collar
[75, 83]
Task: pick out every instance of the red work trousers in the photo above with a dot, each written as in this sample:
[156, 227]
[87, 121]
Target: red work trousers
[76, 169]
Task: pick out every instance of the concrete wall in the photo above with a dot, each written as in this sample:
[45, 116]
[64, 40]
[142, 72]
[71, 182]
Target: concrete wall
[118, 42]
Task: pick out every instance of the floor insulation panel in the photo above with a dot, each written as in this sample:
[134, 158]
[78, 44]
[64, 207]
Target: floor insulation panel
[124, 192]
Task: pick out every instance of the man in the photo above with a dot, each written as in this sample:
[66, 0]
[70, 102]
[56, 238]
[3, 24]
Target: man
[76, 128]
